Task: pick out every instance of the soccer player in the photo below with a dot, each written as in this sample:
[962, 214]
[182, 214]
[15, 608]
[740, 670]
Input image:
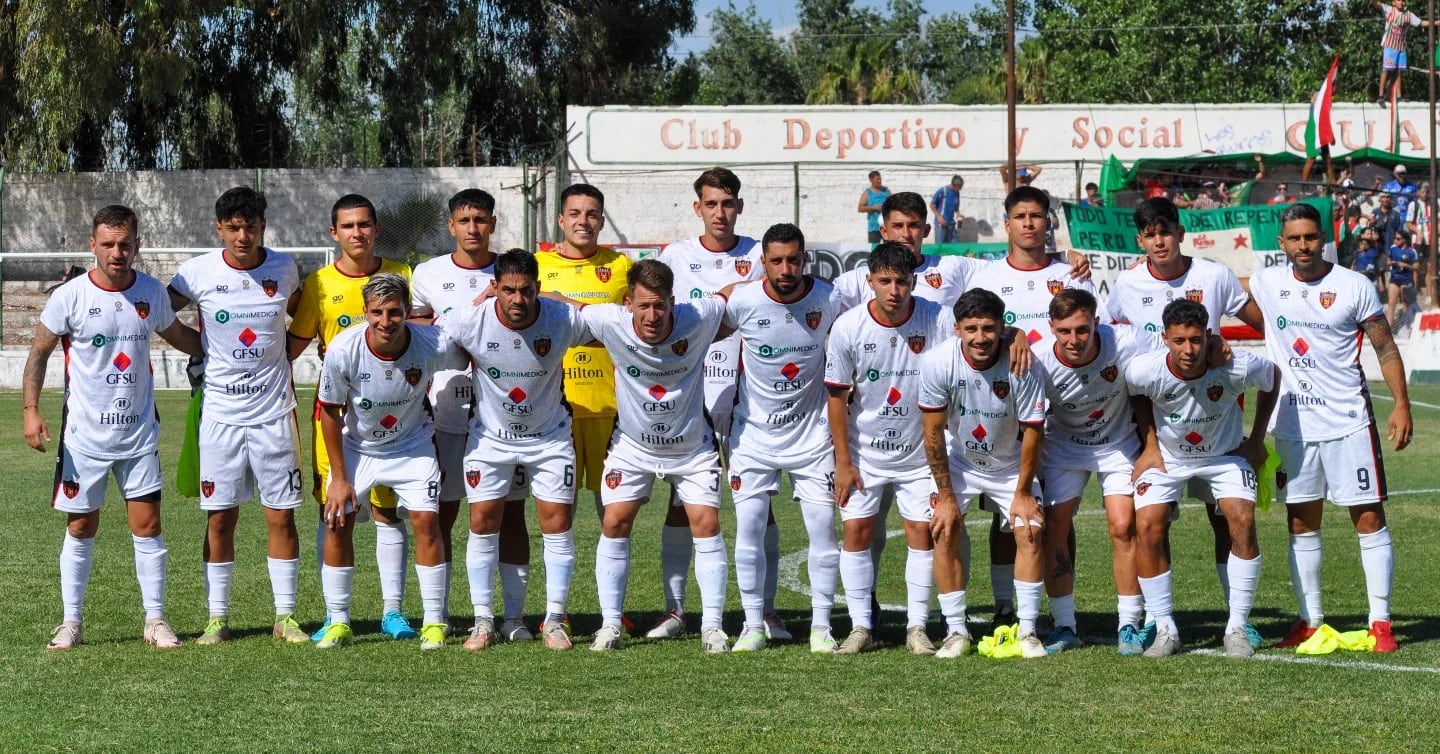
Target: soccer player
[249, 436]
[330, 301]
[1195, 430]
[1325, 429]
[1141, 293]
[521, 427]
[662, 432]
[938, 278]
[996, 424]
[873, 376]
[104, 320]
[1025, 280]
[443, 287]
[379, 375]
[1090, 430]
[779, 426]
[703, 266]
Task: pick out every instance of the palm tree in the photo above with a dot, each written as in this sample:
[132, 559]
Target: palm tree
[866, 73]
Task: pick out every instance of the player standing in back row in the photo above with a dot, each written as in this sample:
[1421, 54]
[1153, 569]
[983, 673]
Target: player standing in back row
[1325, 428]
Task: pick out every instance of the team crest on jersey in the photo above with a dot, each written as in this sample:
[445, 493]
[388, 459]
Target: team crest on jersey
[1109, 373]
[603, 273]
[812, 319]
[472, 477]
[680, 346]
[1142, 488]
[412, 375]
[207, 487]
[542, 347]
[612, 479]
[270, 287]
[934, 279]
[1001, 388]
[1214, 393]
[916, 343]
[1196, 294]
[1327, 298]
[742, 267]
[735, 482]
[71, 488]
[143, 309]
[1055, 286]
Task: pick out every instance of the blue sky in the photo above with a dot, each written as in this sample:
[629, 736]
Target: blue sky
[782, 16]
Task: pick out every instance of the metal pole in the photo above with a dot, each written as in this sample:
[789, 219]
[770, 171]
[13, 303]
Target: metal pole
[795, 172]
[1010, 94]
[529, 240]
[1431, 204]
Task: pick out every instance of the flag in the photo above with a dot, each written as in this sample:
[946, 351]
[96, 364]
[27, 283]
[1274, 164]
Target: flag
[1320, 132]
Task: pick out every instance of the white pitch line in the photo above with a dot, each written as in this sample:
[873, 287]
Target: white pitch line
[1413, 403]
[1302, 660]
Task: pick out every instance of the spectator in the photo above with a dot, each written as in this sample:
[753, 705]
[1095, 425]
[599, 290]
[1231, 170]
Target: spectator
[1401, 190]
[946, 206]
[1282, 194]
[1392, 45]
[1024, 174]
[1417, 220]
[1092, 196]
[1401, 284]
[1387, 221]
[1205, 198]
[1367, 258]
[870, 201]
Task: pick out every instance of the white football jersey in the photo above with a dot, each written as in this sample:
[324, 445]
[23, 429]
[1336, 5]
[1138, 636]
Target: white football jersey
[1027, 295]
[1199, 418]
[700, 272]
[109, 389]
[242, 317]
[1139, 297]
[1090, 404]
[439, 287]
[881, 364]
[519, 378]
[780, 412]
[985, 407]
[938, 278]
[383, 399]
[659, 388]
[1312, 332]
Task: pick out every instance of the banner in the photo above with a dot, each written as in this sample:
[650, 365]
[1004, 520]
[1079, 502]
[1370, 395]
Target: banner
[1244, 238]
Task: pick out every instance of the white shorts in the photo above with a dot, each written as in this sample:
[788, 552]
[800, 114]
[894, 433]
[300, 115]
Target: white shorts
[811, 481]
[914, 491]
[630, 475]
[414, 475]
[1066, 474]
[1347, 470]
[234, 460]
[491, 469]
[1228, 477]
[997, 487]
[80, 486]
[450, 454]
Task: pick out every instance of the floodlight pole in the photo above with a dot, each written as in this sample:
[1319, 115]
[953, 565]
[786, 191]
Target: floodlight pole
[1010, 93]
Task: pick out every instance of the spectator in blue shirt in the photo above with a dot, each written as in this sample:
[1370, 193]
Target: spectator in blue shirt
[1092, 196]
[946, 206]
[1403, 261]
[1387, 221]
[870, 201]
[1400, 189]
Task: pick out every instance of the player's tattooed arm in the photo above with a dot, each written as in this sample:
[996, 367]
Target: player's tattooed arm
[946, 516]
[1392, 368]
[33, 381]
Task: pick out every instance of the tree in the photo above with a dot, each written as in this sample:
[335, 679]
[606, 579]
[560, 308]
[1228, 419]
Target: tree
[864, 73]
[747, 64]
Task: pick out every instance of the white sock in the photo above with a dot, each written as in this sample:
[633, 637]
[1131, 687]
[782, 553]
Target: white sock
[1305, 559]
[284, 583]
[712, 573]
[857, 575]
[675, 547]
[952, 606]
[481, 554]
[76, 558]
[390, 550]
[824, 556]
[919, 584]
[1027, 604]
[515, 587]
[1002, 583]
[150, 566]
[335, 585]
[750, 565]
[1158, 601]
[1377, 557]
[772, 563]
[432, 590]
[559, 567]
[1062, 609]
[612, 571]
[217, 587]
[1244, 577]
[1130, 608]
[1222, 570]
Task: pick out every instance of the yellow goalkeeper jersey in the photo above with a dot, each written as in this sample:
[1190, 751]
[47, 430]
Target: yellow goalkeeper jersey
[330, 301]
[601, 279]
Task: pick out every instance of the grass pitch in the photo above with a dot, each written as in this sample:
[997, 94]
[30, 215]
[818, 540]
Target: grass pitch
[252, 694]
